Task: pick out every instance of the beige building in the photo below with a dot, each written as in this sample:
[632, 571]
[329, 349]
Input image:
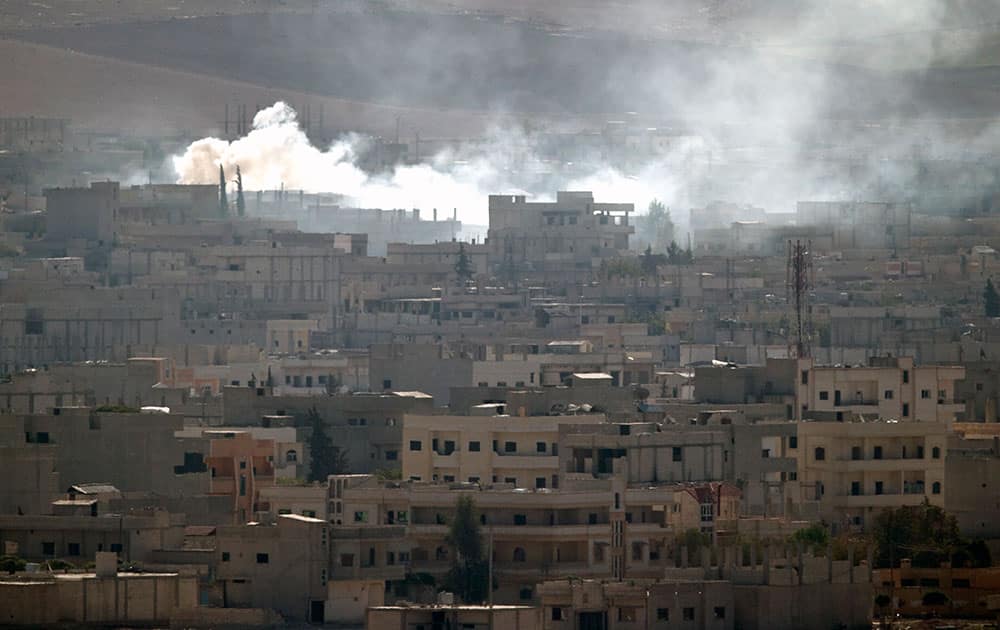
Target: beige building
[283, 566]
[129, 599]
[888, 387]
[415, 617]
[852, 470]
[573, 230]
[522, 451]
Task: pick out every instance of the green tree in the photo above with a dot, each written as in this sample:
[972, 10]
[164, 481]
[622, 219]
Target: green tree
[679, 256]
[924, 533]
[469, 570]
[655, 228]
[815, 537]
[325, 458]
[991, 299]
[223, 198]
[241, 204]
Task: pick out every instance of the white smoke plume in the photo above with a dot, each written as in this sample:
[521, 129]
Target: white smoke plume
[276, 153]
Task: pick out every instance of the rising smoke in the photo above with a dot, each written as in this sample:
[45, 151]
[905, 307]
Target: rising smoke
[277, 153]
[801, 107]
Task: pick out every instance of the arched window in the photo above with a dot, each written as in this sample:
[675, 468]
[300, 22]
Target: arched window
[291, 456]
[820, 453]
[936, 452]
[936, 487]
[519, 555]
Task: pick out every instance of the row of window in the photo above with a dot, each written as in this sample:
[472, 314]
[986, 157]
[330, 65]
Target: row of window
[447, 447]
[819, 453]
[75, 549]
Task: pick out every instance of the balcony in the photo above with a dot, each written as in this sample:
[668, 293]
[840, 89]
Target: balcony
[877, 500]
[886, 464]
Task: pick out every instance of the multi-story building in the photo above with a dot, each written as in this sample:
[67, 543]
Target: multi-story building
[240, 466]
[283, 566]
[488, 448]
[565, 235]
[851, 471]
[888, 387]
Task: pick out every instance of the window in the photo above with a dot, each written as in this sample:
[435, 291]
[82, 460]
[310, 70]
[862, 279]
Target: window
[291, 456]
[819, 454]
[361, 517]
[449, 447]
[936, 487]
[879, 487]
[592, 519]
[225, 556]
[262, 558]
[347, 559]
[805, 381]
[520, 519]
[906, 410]
[525, 593]
[906, 376]
[73, 549]
[936, 452]
[539, 482]
[387, 384]
[449, 478]
[391, 456]
[520, 555]
[888, 394]
[540, 447]
[925, 394]
[473, 447]
[663, 614]
[415, 445]
[510, 447]
[920, 452]
[556, 613]
[42, 437]
[689, 611]
[678, 454]
[116, 547]
[877, 453]
[855, 488]
[48, 549]
[765, 453]
[719, 612]
[824, 395]
[793, 441]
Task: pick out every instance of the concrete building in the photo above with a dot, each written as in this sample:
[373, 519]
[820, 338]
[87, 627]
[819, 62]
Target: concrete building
[89, 214]
[567, 234]
[888, 387]
[487, 448]
[283, 566]
[148, 456]
[130, 599]
[469, 617]
[852, 470]
[239, 466]
[76, 539]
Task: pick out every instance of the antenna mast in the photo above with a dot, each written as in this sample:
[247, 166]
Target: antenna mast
[798, 283]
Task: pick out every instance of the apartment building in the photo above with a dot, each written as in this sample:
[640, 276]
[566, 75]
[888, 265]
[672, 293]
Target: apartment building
[887, 387]
[240, 465]
[522, 451]
[851, 471]
[566, 234]
[588, 527]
